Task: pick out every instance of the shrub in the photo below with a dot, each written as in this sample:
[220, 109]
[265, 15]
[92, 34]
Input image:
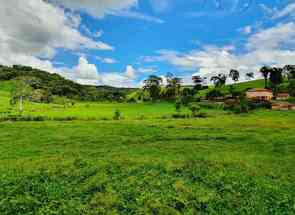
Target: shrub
[177, 106]
[117, 115]
[215, 93]
[194, 109]
[259, 104]
[180, 116]
[291, 87]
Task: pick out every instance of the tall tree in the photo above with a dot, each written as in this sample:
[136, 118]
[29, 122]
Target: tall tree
[276, 78]
[153, 86]
[234, 75]
[289, 70]
[173, 86]
[219, 80]
[265, 71]
[21, 91]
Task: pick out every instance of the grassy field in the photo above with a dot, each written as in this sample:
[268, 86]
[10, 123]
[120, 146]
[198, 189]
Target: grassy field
[146, 163]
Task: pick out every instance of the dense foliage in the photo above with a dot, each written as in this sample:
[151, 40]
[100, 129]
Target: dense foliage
[50, 84]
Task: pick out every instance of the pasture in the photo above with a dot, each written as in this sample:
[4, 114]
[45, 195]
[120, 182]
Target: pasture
[222, 164]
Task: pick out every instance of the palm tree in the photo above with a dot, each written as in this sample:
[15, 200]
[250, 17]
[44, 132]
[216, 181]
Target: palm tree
[234, 74]
[265, 71]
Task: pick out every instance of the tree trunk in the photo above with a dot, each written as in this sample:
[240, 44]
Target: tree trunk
[265, 83]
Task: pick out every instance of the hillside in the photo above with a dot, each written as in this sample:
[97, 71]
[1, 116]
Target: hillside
[54, 84]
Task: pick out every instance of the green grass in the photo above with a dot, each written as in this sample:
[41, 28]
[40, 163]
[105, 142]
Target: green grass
[147, 163]
[226, 164]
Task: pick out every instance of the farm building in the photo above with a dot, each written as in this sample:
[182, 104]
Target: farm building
[260, 94]
[283, 96]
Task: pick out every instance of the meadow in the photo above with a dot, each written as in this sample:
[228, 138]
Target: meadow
[147, 162]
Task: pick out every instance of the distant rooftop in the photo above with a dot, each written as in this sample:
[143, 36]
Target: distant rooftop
[260, 90]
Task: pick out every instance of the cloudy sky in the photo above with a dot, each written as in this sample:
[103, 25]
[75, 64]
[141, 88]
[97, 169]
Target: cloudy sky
[121, 42]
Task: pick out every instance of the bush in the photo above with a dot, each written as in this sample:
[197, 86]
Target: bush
[177, 106]
[180, 116]
[259, 104]
[211, 105]
[215, 93]
[117, 115]
[291, 87]
[194, 109]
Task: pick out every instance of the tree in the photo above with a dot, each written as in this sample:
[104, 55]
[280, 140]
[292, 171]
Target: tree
[187, 95]
[219, 80]
[276, 78]
[289, 70]
[153, 86]
[265, 71]
[21, 91]
[291, 87]
[250, 75]
[235, 75]
[173, 86]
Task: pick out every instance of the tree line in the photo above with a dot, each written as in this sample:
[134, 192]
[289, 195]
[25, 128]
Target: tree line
[173, 90]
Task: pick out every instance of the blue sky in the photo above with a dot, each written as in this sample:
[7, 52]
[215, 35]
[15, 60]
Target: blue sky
[121, 42]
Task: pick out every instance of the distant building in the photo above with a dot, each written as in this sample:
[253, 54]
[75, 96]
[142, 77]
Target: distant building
[260, 94]
[283, 96]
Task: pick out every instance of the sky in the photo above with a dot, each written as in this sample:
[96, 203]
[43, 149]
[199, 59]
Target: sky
[122, 42]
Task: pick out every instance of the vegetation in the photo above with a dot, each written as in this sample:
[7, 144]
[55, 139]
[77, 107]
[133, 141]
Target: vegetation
[224, 164]
[163, 149]
[46, 85]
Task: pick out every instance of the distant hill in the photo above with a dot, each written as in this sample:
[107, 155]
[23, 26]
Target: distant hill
[55, 84]
[250, 84]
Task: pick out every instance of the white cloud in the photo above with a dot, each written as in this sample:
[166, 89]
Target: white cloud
[273, 37]
[140, 16]
[87, 73]
[25, 27]
[101, 8]
[289, 10]
[33, 28]
[97, 8]
[267, 47]
[85, 70]
[107, 60]
[246, 30]
[130, 72]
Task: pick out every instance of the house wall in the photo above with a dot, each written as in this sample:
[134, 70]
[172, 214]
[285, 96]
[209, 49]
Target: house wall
[259, 95]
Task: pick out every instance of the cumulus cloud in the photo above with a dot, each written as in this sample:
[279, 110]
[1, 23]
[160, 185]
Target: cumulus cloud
[25, 27]
[85, 70]
[273, 37]
[32, 30]
[87, 73]
[101, 8]
[267, 47]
